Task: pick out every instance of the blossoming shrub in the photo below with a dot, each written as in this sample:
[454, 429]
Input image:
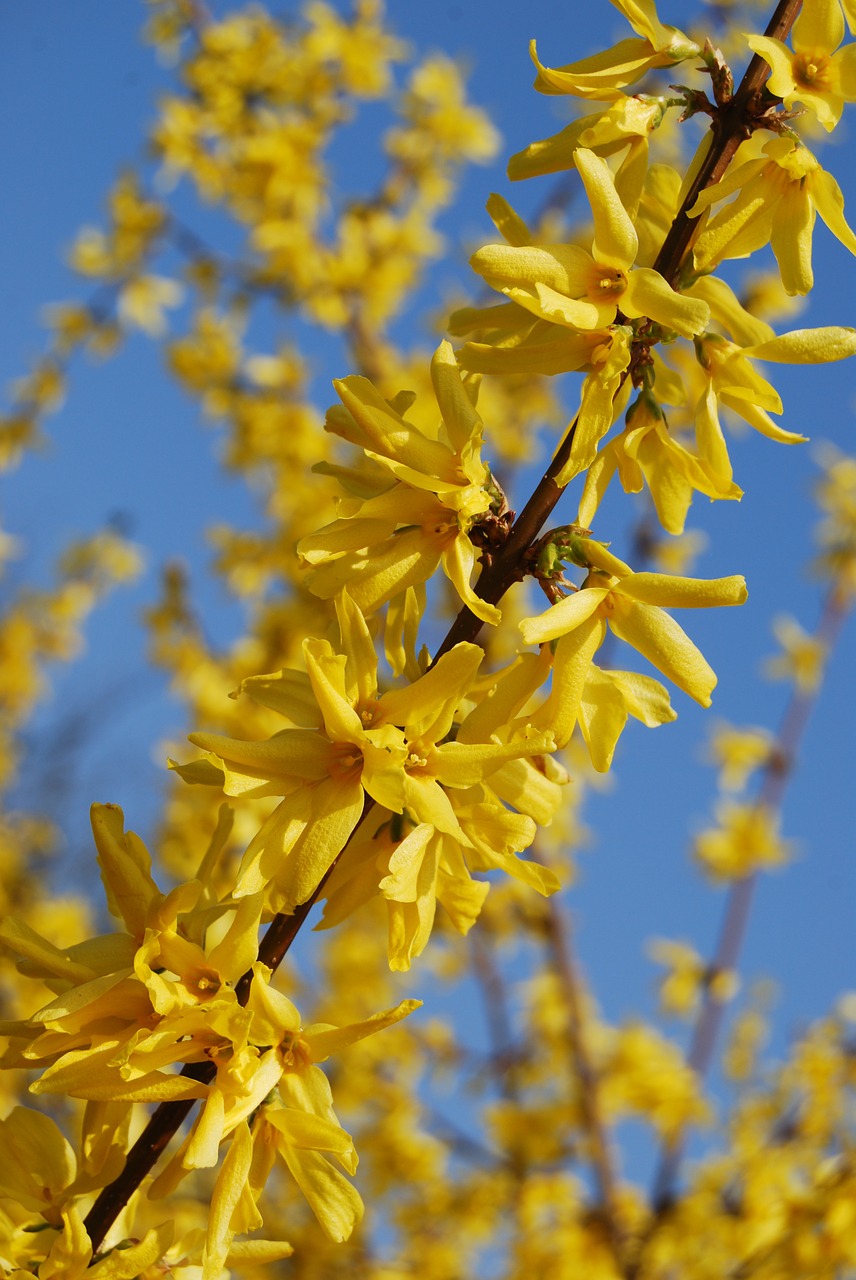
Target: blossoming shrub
[428, 787]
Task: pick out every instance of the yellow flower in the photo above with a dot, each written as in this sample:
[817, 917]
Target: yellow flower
[733, 381]
[37, 1164]
[142, 301]
[813, 72]
[802, 659]
[739, 752]
[632, 604]
[746, 840]
[566, 285]
[779, 198]
[430, 493]
[647, 452]
[627, 122]
[604, 74]
[396, 747]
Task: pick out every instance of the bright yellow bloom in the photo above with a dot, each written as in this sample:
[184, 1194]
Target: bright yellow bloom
[143, 300]
[37, 1164]
[568, 286]
[627, 122]
[632, 604]
[646, 1075]
[397, 747]
[813, 72]
[733, 381]
[646, 452]
[687, 978]
[430, 492]
[779, 198]
[604, 74]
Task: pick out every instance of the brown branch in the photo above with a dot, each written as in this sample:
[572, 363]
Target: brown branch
[733, 122]
[602, 1157]
[168, 1117]
[776, 774]
[729, 128]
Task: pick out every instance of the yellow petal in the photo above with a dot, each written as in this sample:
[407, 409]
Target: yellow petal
[807, 346]
[564, 616]
[615, 241]
[663, 642]
[685, 593]
[324, 1040]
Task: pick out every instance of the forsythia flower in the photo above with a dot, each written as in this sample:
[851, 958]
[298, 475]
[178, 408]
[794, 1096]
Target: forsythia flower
[605, 74]
[739, 752]
[647, 452]
[129, 1006]
[632, 604]
[802, 659]
[816, 71]
[430, 491]
[626, 123]
[746, 840]
[779, 198]
[733, 381]
[579, 290]
[687, 978]
[355, 741]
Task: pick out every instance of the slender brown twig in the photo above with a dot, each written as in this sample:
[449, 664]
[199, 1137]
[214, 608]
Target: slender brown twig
[602, 1156]
[732, 123]
[735, 916]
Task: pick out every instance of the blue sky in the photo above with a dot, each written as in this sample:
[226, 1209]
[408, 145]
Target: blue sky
[78, 90]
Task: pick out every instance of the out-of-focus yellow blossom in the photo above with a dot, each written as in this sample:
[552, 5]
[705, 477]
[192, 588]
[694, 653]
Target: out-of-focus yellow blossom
[429, 491]
[633, 605]
[748, 1035]
[75, 325]
[803, 656]
[361, 49]
[605, 74]
[207, 360]
[835, 493]
[815, 72]
[136, 223]
[737, 753]
[745, 841]
[143, 301]
[778, 201]
[688, 978]
[677, 554]
[645, 1075]
[439, 119]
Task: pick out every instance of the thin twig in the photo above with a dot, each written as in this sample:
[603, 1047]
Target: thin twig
[602, 1155]
[775, 776]
[729, 129]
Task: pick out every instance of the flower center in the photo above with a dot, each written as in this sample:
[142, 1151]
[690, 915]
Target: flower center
[346, 760]
[609, 282]
[813, 71]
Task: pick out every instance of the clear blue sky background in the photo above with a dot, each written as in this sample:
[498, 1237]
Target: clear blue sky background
[77, 89]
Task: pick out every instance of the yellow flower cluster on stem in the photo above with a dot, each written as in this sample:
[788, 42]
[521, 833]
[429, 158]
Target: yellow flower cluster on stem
[399, 777]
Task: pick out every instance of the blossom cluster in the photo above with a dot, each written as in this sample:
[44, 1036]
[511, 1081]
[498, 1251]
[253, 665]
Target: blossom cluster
[352, 757]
